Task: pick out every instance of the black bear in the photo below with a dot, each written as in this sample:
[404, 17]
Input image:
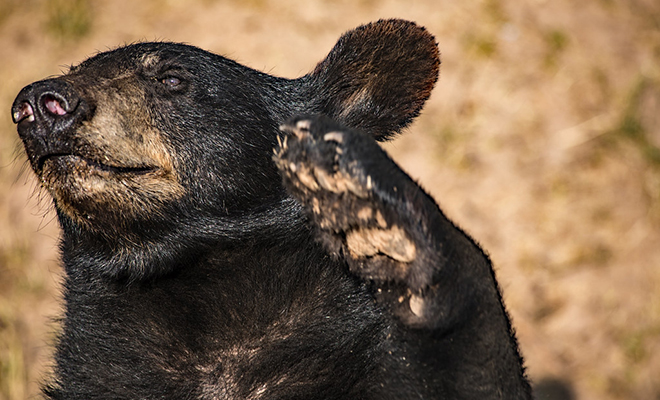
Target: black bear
[227, 234]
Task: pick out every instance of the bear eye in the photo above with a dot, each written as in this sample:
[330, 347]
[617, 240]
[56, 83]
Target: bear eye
[171, 81]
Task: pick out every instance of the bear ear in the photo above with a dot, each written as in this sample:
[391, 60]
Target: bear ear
[378, 76]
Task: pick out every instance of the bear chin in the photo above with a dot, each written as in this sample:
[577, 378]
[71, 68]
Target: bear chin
[87, 191]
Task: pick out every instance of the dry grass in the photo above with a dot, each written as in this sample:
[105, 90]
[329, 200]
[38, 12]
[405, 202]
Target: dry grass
[542, 140]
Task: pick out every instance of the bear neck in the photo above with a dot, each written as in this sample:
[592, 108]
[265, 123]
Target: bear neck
[111, 255]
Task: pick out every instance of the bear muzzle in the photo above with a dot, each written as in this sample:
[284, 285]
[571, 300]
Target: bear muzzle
[46, 112]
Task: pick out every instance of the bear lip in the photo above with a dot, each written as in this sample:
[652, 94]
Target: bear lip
[139, 170]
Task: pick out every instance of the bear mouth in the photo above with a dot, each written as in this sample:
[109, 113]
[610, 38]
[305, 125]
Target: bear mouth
[78, 160]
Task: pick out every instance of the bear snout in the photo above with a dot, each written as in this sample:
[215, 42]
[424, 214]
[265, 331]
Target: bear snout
[48, 99]
[45, 111]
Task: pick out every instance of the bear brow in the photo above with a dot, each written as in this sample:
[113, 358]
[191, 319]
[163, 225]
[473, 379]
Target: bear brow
[150, 60]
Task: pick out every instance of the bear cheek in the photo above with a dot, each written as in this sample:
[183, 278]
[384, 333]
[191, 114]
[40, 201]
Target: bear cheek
[135, 174]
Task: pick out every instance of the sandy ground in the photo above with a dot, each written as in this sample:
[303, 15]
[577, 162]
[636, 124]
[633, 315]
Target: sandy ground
[541, 140]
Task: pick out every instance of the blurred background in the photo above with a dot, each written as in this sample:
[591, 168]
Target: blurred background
[542, 140]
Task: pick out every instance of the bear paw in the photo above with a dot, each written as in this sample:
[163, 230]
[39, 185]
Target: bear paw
[336, 173]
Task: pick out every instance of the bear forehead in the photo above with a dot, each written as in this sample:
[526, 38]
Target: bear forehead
[139, 56]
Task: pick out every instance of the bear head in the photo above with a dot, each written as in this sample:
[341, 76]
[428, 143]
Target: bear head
[153, 152]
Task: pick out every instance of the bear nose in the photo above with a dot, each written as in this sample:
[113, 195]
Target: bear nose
[45, 102]
[47, 113]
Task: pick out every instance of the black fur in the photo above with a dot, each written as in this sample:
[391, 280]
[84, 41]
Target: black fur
[200, 265]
